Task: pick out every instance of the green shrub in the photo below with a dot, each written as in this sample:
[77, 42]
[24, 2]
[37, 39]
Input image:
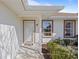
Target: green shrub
[59, 52]
[59, 41]
[64, 42]
[67, 41]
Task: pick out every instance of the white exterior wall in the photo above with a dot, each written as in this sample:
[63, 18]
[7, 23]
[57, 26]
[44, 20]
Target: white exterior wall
[7, 17]
[58, 27]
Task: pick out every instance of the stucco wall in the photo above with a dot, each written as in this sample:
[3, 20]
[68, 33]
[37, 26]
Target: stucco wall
[7, 17]
[58, 28]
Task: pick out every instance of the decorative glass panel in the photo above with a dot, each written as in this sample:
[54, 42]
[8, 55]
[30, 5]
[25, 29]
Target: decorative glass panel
[47, 28]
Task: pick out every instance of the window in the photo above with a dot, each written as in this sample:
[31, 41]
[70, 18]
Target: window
[47, 28]
[69, 28]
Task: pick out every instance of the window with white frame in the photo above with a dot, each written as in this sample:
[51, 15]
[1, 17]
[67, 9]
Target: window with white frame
[47, 28]
[69, 28]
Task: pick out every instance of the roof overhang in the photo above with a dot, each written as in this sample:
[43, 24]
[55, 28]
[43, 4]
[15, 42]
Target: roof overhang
[44, 8]
[21, 8]
[41, 7]
[65, 16]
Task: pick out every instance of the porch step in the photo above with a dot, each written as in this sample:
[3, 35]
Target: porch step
[46, 52]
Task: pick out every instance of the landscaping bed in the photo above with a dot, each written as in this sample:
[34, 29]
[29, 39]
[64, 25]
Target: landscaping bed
[62, 49]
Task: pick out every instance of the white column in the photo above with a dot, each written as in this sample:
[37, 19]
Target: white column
[39, 26]
[40, 31]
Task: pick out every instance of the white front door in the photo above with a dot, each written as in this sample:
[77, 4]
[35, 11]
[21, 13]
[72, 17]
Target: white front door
[29, 29]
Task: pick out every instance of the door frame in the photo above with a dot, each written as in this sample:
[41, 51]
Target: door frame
[34, 27]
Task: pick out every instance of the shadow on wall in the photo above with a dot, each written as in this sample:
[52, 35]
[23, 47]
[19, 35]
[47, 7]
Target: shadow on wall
[8, 42]
[55, 36]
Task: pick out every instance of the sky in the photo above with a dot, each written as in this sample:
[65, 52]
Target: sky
[70, 6]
